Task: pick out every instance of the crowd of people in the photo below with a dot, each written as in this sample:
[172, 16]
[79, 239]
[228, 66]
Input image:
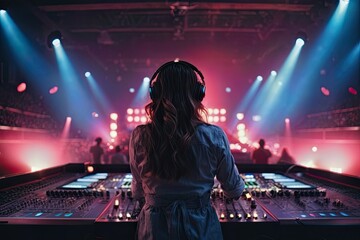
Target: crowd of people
[16, 118]
[348, 117]
[24, 110]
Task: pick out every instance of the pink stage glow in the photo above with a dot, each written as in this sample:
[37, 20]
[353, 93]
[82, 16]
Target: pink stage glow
[325, 91]
[352, 91]
[53, 90]
[39, 155]
[331, 155]
[21, 87]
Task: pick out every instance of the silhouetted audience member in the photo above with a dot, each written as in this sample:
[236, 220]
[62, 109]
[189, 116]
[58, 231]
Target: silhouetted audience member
[285, 158]
[118, 157]
[97, 151]
[261, 155]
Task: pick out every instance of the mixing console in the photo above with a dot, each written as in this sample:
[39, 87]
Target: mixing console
[276, 203]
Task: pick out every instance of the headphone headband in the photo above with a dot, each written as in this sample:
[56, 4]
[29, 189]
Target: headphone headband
[179, 62]
[201, 85]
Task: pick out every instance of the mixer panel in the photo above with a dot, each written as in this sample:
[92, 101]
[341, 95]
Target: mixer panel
[273, 201]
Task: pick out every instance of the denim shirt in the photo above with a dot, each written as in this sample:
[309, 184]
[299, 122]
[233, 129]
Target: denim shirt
[210, 157]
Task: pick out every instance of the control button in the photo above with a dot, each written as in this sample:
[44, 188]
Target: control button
[120, 216]
[248, 216]
[222, 216]
[231, 215]
[116, 203]
[255, 215]
[239, 216]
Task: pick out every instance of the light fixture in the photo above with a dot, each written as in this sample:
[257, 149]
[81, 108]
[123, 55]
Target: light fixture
[54, 39]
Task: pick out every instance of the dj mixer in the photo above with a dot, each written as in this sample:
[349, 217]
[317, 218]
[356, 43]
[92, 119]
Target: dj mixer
[78, 201]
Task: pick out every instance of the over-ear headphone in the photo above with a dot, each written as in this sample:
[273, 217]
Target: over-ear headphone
[200, 86]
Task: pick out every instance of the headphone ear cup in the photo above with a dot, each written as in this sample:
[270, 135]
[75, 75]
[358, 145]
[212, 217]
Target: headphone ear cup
[200, 92]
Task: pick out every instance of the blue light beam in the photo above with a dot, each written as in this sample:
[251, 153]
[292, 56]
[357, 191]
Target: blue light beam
[96, 90]
[32, 64]
[79, 104]
[142, 95]
[322, 50]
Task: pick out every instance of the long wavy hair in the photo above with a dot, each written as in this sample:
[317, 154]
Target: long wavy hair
[174, 115]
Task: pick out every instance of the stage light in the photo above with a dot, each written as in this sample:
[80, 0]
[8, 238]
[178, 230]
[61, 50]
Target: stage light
[53, 90]
[132, 90]
[240, 116]
[222, 111]
[114, 116]
[241, 126]
[243, 140]
[87, 74]
[113, 126]
[352, 91]
[21, 87]
[314, 149]
[143, 119]
[90, 169]
[259, 78]
[228, 90]
[300, 42]
[2, 11]
[344, 1]
[54, 39]
[56, 42]
[130, 111]
[273, 73]
[301, 38]
[287, 120]
[325, 91]
[113, 134]
[146, 79]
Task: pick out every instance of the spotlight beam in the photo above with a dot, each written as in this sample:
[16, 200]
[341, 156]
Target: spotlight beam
[97, 91]
[32, 62]
[321, 52]
[79, 104]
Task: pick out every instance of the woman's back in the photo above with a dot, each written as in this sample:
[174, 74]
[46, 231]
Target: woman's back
[175, 157]
[188, 197]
